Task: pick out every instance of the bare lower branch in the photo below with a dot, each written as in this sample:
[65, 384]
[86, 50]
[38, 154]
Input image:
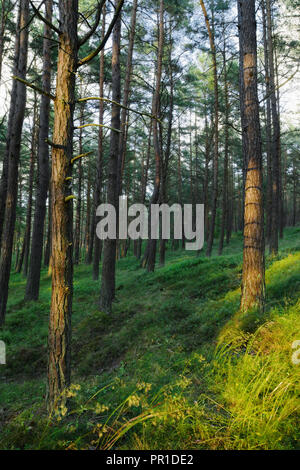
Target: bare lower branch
[80, 156]
[69, 198]
[34, 87]
[55, 146]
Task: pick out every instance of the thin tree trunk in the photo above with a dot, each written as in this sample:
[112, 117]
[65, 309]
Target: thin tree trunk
[33, 279]
[144, 185]
[268, 128]
[89, 232]
[30, 188]
[206, 176]
[275, 139]
[107, 293]
[230, 212]
[179, 176]
[210, 30]
[242, 109]
[13, 160]
[98, 243]
[21, 246]
[47, 252]
[150, 252]
[295, 181]
[124, 120]
[280, 185]
[17, 238]
[225, 176]
[79, 194]
[13, 100]
[165, 165]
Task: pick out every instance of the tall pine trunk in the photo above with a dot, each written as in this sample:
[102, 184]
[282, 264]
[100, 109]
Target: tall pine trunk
[253, 278]
[59, 338]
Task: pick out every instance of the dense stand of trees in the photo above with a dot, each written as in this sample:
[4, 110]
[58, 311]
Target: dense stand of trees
[159, 101]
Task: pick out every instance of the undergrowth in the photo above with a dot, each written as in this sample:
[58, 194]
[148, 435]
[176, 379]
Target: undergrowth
[175, 366]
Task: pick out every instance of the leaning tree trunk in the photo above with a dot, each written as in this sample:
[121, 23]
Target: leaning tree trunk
[253, 279]
[107, 292]
[13, 159]
[61, 254]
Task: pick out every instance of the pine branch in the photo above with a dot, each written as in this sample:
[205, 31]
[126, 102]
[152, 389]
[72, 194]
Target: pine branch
[87, 36]
[99, 125]
[93, 54]
[33, 16]
[41, 17]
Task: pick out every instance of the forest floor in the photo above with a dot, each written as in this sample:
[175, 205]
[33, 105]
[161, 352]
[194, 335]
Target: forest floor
[175, 366]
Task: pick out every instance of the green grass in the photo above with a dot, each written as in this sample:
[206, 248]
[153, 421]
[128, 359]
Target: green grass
[175, 366]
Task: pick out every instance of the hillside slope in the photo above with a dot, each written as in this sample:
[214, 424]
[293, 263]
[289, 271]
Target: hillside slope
[174, 367]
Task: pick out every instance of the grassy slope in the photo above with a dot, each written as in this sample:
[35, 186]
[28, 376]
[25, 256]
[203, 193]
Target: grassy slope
[174, 366]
